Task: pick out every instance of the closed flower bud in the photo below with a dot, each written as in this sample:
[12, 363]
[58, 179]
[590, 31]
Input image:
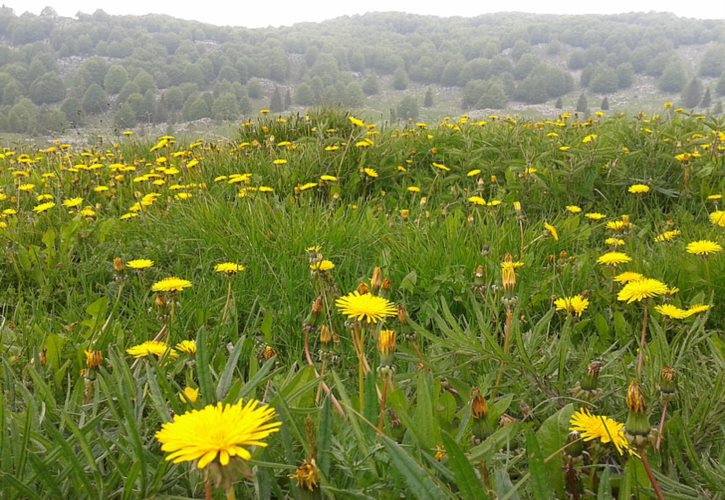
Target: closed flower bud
[667, 380]
[317, 305]
[325, 334]
[402, 315]
[362, 289]
[386, 346]
[376, 281]
[635, 399]
[591, 376]
[637, 425]
[94, 359]
[118, 264]
[479, 408]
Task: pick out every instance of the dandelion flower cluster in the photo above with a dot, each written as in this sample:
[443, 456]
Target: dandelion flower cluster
[170, 284]
[575, 305]
[218, 432]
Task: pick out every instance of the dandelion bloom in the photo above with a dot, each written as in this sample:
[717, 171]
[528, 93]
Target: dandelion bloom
[718, 218]
[628, 276]
[473, 173]
[615, 242]
[229, 268]
[322, 265]
[551, 230]
[365, 307]
[605, 429]
[697, 309]
[151, 348]
[703, 247]
[573, 209]
[187, 347]
[139, 264]
[671, 311]
[476, 200]
[170, 284]
[614, 259]
[219, 430]
[638, 189]
[189, 395]
[667, 236]
[595, 216]
[413, 189]
[43, 207]
[371, 172]
[635, 291]
[573, 305]
[307, 475]
[72, 202]
[386, 342]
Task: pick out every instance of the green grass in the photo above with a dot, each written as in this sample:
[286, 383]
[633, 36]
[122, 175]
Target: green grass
[68, 435]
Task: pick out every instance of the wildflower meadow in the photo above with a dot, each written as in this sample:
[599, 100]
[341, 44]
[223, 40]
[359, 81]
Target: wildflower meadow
[326, 307]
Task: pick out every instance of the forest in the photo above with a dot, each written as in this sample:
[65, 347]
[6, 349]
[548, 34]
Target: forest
[119, 72]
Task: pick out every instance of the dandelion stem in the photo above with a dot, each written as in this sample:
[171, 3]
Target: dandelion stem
[324, 386]
[228, 301]
[207, 489]
[642, 341]
[661, 428]
[383, 399]
[506, 347]
[650, 475]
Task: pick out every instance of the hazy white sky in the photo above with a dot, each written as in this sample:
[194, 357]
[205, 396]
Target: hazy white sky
[254, 14]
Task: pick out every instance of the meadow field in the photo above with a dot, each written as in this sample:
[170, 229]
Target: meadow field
[483, 307]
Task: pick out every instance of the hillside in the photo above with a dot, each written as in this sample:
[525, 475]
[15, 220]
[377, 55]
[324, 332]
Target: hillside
[124, 71]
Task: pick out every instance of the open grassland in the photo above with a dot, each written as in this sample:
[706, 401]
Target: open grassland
[538, 311]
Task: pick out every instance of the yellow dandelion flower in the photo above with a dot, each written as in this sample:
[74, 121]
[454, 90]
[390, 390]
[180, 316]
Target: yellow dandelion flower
[386, 342]
[589, 138]
[667, 236]
[551, 230]
[307, 475]
[322, 265]
[638, 189]
[636, 291]
[671, 311]
[595, 216]
[43, 207]
[605, 429]
[718, 218]
[614, 259]
[476, 200]
[697, 309]
[365, 307]
[440, 166]
[575, 305]
[229, 268]
[413, 189]
[628, 276]
[371, 172]
[573, 209]
[170, 284]
[615, 242]
[187, 347]
[151, 348]
[473, 173]
[703, 247]
[189, 395]
[139, 264]
[218, 431]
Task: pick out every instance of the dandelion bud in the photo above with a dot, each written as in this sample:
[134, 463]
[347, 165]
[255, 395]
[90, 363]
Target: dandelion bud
[508, 273]
[505, 420]
[94, 359]
[325, 335]
[479, 408]
[478, 276]
[118, 264]
[517, 207]
[42, 357]
[637, 424]
[376, 281]
[563, 255]
[667, 380]
[189, 395]
[440, 453]
[317, 305]
[591, 376]
[362, 288]
[386, 346]
[402, 315]
[386, 284]
[307, 475]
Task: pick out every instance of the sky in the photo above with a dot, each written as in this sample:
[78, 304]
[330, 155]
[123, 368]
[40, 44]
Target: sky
[257, 14]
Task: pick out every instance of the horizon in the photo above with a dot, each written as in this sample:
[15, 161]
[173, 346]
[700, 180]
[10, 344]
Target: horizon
[287, 13]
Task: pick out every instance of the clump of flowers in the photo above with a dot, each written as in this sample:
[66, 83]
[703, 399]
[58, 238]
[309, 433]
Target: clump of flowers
[574, 305]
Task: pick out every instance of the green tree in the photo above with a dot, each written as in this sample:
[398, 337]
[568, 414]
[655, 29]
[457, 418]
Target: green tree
[116, 77]
[196, 108]
[582, 106]
[673, 77]
[706, 99]
[225, 107]
[400, 79]
[354, 95]
[94, 100]
[493, 96]
[713, 62]
[428, 99]
[125, 117]
[255, 89]
[23, 117]
[73, 111]
[370, 85]
[559, 104]
[51, 121]
[275, 102]
[625, 75]
[304, 95]
[94, 70]
[604, 80]
[717, 110]
[408, 108]
[692, 93]
[144, 81]
[604, 106]
[12, 92]
[47, 89]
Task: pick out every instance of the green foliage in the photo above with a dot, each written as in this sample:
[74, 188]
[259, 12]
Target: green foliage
[47, 89]
[116, 77]
[692, 93]
[408, 108]
[94, 100]
[673, 77]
